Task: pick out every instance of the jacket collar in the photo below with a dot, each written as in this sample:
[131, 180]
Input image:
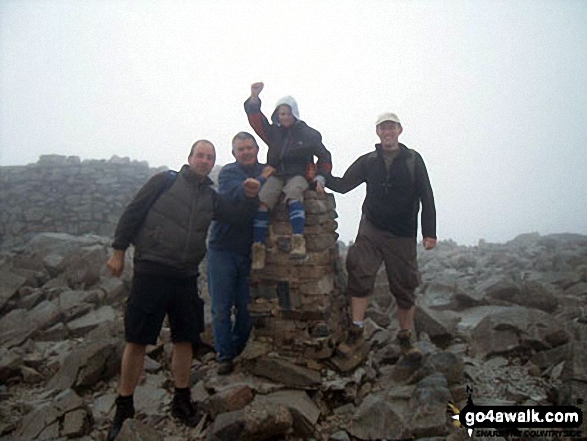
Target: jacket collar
[402, 148]
[192, 177]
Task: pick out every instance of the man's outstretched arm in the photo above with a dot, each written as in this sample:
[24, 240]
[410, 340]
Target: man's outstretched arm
[352, 178]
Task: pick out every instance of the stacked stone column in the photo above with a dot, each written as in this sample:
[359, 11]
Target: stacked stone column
[298, 307]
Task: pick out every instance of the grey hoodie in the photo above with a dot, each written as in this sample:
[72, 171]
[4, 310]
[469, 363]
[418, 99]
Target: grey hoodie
[291, 102]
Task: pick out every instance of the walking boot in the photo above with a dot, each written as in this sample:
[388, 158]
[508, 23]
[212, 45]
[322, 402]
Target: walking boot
[184, 410]
[225, 367]
[409, 351]
[352, 352]
[125, 409]
[298, 247]
[356, 335]
[258, 259]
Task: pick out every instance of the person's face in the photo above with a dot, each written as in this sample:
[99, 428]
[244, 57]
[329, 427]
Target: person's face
[245, 151]
[388, 132]
[202, 159]
[286, 118]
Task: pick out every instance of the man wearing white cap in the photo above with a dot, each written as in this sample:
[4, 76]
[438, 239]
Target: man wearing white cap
[397, 182]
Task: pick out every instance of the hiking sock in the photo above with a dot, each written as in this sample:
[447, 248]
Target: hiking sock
[297, 216]
[260, 226]
[183, 391]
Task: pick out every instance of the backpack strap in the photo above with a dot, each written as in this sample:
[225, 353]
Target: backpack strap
[170, 178]
[411, 163]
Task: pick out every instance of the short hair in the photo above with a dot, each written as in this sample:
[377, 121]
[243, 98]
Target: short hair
[199, 141]
[243, 136]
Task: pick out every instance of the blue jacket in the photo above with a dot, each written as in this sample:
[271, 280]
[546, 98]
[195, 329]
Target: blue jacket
[233, 237]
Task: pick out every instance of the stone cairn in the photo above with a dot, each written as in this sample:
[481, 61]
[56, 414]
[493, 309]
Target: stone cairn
[298, 306]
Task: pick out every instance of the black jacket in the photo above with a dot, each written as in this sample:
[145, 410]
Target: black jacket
[393, 199]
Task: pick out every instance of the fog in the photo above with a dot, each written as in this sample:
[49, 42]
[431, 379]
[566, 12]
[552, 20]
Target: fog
[492, 94]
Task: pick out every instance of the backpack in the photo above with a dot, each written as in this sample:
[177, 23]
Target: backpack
[170, 178]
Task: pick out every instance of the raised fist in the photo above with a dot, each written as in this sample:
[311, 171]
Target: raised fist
[256, 89]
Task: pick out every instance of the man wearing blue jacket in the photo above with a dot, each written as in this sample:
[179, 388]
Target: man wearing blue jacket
[229, 256]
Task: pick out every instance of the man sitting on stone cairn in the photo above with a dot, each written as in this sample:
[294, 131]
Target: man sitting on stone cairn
[168, 223]
[229, 256]
[397, 181]
[292, 147]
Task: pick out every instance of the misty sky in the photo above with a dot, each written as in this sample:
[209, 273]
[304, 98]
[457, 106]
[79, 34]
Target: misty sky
[493, 94]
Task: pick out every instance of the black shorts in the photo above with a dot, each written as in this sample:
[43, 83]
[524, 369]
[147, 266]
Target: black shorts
[151, 297]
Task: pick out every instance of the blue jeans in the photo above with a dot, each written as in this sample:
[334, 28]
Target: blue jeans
[228, 274]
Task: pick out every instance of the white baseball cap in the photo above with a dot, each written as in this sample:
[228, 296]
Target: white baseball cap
[388, 116]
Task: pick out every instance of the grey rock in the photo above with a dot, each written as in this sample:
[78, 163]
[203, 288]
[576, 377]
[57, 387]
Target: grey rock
[448, 364]
[151, 397]
[82, 325]
[441, 296]
[441, 326]
[9, 284]
[509, 328]
[428, 406]
[92, 361]
[498, 287]
[114, 287]
[537, 295]
[341, 435]
[43, 422]
[228, 426]
[376, 419]
[575, 367]
[76, 424]
[10, 363]
[19, 325]
[576, 290]
[283, 371]
[84, 267]
[303, 410]
[263, 421]
[134, 430]
[229, 399]
[31, 376]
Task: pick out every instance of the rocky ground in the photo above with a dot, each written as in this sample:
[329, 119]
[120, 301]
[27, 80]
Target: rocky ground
[507, 320]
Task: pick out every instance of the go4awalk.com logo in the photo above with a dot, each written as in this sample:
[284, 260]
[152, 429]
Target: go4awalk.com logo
[518, 421]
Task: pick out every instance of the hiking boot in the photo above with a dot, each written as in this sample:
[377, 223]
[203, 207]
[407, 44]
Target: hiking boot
[183, 409]
[298, 247]
[225, 367]
[258, 260]
[125, 409]
[404, 338]
[356, 335]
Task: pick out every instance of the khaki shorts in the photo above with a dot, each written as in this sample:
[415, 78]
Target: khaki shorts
[374, 246]
[293, 188]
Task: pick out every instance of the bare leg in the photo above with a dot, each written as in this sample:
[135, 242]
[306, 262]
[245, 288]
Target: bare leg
[131, 369]
[358, 308]
[406, 317]
[181, 364]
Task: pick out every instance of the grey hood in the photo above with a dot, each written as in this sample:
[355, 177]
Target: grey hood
[291, 102]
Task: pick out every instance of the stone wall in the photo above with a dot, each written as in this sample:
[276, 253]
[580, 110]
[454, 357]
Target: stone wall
[66, 195]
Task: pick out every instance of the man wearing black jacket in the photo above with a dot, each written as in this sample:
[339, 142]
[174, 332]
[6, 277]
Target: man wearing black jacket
[397, 182]
[168, 225]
